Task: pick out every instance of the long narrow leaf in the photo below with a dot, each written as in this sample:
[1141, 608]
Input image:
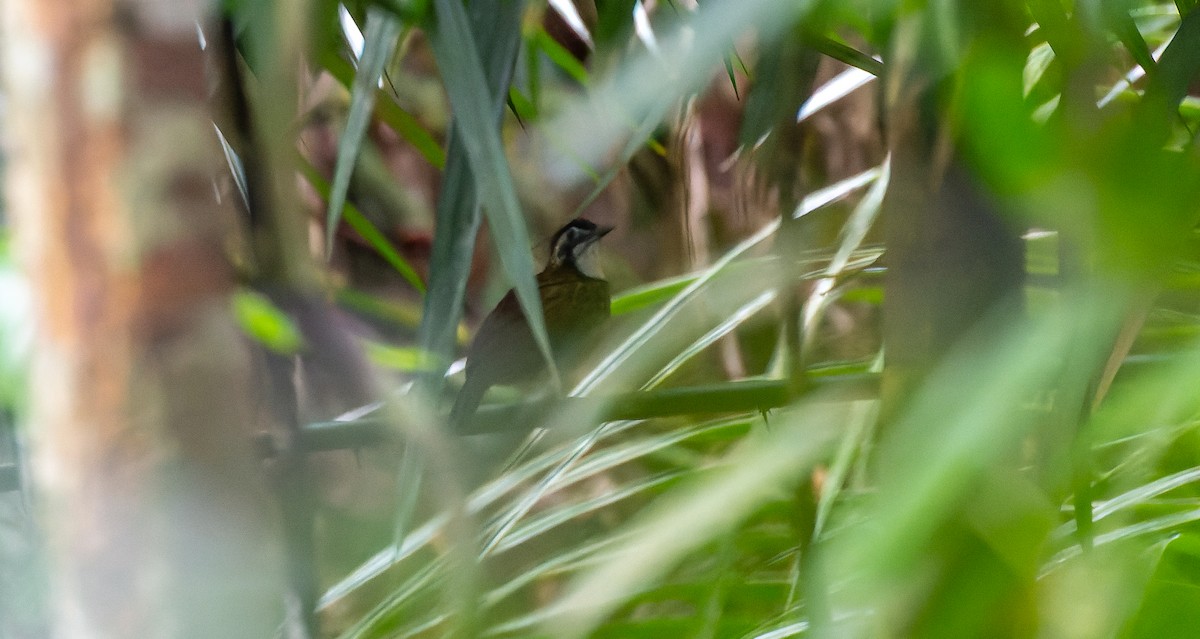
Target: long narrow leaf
[570, 15]
[382, 30]
[647, 87]
[691, 516]
[401, 121]
[473, 99]
[365, 228]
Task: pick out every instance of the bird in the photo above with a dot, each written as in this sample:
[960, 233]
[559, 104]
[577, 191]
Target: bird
[575, 304]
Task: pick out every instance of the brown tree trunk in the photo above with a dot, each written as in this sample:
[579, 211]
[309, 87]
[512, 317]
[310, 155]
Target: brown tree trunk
[149, 493]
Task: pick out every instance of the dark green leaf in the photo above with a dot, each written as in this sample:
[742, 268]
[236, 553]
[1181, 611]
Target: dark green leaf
[382, 30]
[401, 121]
[476, 170]
[365, 228]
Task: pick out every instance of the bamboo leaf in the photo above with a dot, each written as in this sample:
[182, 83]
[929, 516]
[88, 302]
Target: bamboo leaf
[1127, 32]
[690, 516]
[400, 121]
[840, 86]
[561, 58]
[849, 55]
[382, 30]
[571, 16]
[649, 84]
[477, 97]
[365, 228]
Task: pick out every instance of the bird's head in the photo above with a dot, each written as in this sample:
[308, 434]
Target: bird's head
[576, 245]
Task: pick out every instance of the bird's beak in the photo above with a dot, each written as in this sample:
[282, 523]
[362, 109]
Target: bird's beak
[601, 231]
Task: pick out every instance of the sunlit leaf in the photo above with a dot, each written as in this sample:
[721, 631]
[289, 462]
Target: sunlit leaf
[266, 323]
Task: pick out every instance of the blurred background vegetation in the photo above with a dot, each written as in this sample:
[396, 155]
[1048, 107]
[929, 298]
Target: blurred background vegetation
[904, 339]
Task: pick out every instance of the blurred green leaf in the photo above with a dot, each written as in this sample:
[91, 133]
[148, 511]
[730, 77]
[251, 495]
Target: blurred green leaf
[400, 121]
[266, 323]
[365, 228]
[561, 58]
[843, 52]
[17, 328]
[522, 106]
[957, 427]
[407, 360]
[689, 517]
[646, 86]
[1127, 32]
[1167, 86]
[411, 11]
[1171, 605]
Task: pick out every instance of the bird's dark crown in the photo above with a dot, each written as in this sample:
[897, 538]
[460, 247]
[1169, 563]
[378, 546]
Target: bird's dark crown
[572, 239]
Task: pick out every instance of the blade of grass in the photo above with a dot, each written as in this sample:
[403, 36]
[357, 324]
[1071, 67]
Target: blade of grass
[560, 56]
[842, 85]
[845, 53]
[551, 519]
[364, 227]
[382, 30]
[737, 318]
[1126, 30]
[1165, 524]
[236, 168]
[571, 16]
[474, 101]
[691, 516]
[728, 61]
[458, 206]
[386, 109]
[1134, 497]
[648, 85]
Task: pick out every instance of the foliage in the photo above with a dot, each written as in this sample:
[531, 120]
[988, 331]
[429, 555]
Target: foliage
[1040, 479]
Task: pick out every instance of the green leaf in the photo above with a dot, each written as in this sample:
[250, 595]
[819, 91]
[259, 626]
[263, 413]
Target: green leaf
[561, 58]
[400, 121]
[692, 515]
[382, 30]
[266, 323]
[1171, 604]
[1168, 85]
[848, 54]
[1127, 32]
[398, 358]
[649, 294]
[476, 100]
[728, 61]
[17, 328]
[523, 107]
[365, 228]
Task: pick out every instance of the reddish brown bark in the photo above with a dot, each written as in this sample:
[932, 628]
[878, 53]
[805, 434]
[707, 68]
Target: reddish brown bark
[151, 496]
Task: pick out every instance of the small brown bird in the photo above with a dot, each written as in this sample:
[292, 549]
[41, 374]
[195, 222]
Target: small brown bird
[575, 302]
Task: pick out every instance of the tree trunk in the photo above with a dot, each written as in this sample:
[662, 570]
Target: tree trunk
[149, 493]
